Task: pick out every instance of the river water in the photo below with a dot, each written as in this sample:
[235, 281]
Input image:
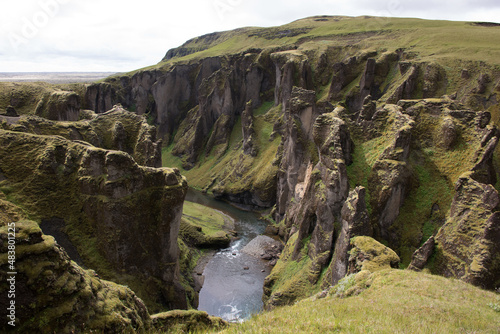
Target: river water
[233, 282]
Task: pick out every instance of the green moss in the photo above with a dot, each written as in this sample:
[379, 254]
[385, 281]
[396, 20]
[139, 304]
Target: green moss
[371, 255]
[191, 321]
[263, 108]
[203, 227]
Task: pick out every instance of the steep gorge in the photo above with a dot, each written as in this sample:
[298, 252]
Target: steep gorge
[298, 126]
[359, 139]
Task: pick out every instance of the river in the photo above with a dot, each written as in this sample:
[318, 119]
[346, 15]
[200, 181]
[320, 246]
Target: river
[233, 282]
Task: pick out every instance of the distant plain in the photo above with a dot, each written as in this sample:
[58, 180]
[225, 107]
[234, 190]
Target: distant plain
[54, 77]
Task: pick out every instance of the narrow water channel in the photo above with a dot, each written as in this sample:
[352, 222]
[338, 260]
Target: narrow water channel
[234, 280]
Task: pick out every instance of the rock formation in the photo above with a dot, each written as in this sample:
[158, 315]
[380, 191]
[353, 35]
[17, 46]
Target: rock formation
[389, 178]
[59, 106]
[248, 131]
[106, 200]
[354, 222]
[340, 133]
[53, 294]
[368, 254]
[466, 246]
[116, 129]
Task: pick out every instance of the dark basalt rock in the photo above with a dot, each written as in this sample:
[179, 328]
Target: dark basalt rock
[249, 146]
[422, 255]
[10, 111]
[355, 221]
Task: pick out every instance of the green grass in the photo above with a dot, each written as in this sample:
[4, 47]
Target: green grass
[212, 222]
[398, 301]
[432, 39]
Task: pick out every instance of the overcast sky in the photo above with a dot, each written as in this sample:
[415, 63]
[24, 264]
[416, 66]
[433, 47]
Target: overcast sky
[122, 35]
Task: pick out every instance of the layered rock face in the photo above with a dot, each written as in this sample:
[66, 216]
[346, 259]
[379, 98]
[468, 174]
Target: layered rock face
[121, 216]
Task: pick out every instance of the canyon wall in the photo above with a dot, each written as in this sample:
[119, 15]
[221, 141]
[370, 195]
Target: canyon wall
[326, 122]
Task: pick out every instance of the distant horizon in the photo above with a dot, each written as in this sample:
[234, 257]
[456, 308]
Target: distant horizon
[55, 77]
[49, 72]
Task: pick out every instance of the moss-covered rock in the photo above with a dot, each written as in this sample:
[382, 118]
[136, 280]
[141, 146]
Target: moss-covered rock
[466, 246]
[368, 254]
[53, 294]
[354, 222]
[59, 106]
[122, 217]
[314, 220]
[203, 227]
[191, 321]
[248, 130]
[117, 129]
[390, 176]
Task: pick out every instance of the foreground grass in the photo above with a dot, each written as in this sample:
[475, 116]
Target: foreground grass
[398, 301]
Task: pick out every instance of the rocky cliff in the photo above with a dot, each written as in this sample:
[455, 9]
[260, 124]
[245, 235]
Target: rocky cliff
[54, 294]
[123, 218]
[116, 129]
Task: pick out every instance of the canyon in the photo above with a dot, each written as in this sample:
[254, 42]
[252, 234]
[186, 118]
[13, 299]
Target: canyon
[367, 144]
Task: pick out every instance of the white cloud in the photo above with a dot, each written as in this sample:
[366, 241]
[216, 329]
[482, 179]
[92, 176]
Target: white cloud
[114, 35]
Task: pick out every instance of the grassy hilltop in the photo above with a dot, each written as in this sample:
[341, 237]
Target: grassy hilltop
[429, 39]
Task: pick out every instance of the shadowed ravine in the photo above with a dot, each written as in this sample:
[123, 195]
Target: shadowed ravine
[230, 291]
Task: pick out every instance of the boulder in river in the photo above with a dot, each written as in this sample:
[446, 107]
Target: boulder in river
[263, 247]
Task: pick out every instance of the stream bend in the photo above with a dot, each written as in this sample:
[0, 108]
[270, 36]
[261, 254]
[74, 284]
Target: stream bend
[233, 280]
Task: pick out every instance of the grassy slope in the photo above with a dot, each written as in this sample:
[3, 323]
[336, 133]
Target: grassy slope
[431, 39]
[398, 301]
